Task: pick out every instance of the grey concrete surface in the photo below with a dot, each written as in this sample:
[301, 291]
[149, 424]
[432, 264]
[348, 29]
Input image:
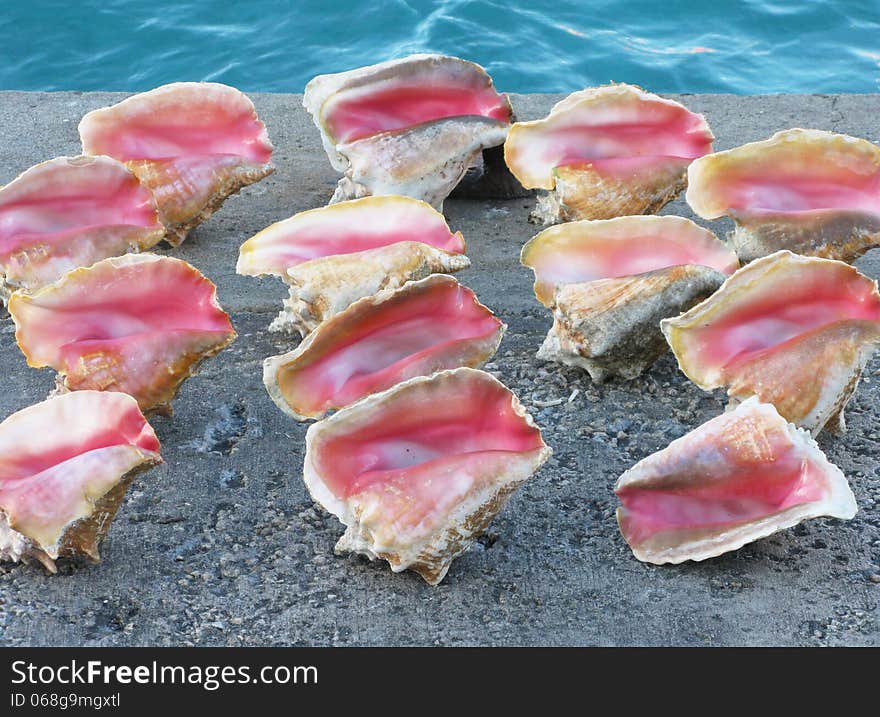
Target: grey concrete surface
[222, 545]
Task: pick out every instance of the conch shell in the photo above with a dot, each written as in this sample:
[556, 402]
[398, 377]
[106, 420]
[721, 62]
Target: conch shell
[379, 341]
[70, 212]
[741, 476]
[192, 143]
[812, 192]
[140, 324]
[610, 282]
[335, 255]
[606, 152]
[417, 472]
[66, 464]
[411, 126]
[794, 331]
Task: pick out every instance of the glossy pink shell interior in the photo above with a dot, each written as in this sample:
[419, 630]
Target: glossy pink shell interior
[727, 492]
[47, 450]
[776, 315]
[359, 227]
[52, 203]
[398, 340]
[196, 121]
[779, 190]
[399, 105]
[424, 437]
[137, 311]
[606, 257]
[621, 142]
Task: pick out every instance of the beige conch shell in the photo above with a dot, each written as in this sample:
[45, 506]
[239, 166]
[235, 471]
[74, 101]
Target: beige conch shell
[321, 288]
[610, 282]
[610, 327]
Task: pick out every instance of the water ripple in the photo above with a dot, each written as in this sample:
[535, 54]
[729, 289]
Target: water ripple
[751, 46]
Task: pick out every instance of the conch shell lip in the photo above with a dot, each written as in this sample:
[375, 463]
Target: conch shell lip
[668, 233]
[843, 151]
[471, 348]
[282, 234]
[432, 552]
[323, 90]
[86, 469]
[835, 499]
[168, 93]
[543, 178]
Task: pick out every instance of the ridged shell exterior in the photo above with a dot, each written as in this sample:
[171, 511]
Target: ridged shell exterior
[431, 555]
[610, 327]
[321, 288]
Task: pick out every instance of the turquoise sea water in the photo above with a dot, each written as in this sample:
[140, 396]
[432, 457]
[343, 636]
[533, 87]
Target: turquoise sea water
[749, 46]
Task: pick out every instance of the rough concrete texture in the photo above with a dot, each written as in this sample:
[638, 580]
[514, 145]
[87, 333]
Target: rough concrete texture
[222, 545]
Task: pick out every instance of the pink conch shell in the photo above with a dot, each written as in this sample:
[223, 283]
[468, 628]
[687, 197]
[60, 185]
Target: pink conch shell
[346, 228]
[812, 192]
[606, 152]
[192, 143]
[411, 126]
[584, 251]
[65, 465]
[741, 476]
[379, 341]
[70, 212]
[417, 472]
[335, 255]
[610, 282]
[140, 324]
[794, 331]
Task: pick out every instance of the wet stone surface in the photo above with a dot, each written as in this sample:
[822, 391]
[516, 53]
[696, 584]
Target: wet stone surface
[222, 545]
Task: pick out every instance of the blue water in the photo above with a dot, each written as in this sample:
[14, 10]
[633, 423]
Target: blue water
[527, 45]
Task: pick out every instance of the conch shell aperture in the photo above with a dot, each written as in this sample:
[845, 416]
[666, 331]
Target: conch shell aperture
[192, 143]
[606, 152]
[423, 327]
[812, 192]
[66, 464]
[741, 476]
[417, 472]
